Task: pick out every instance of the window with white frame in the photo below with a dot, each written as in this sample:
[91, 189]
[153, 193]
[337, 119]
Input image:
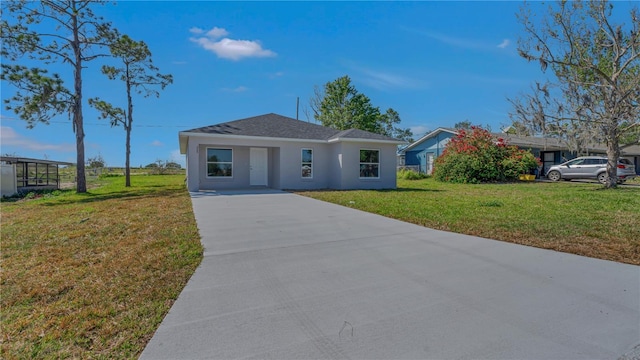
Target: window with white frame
[369, 163]
[307, 163]
[219, 162]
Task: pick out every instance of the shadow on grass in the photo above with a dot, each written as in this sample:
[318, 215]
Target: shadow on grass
[404, 189]
[122, 195]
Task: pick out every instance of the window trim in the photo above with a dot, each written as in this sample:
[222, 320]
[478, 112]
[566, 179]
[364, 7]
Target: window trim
[207, 162]
[366, 163]
[302, 162]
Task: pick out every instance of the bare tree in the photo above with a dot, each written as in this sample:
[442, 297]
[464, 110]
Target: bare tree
[51, 31]
[595, 96]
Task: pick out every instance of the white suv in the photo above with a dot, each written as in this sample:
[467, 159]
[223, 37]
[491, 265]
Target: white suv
[590, 167]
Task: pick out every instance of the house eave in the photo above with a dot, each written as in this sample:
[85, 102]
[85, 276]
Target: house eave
[360, 140]
[184, 135]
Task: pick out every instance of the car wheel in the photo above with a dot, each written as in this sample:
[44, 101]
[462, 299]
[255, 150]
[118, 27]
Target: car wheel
[554, 175]
[602, 178]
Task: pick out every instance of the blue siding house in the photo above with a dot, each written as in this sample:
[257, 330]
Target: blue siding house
[422, 153]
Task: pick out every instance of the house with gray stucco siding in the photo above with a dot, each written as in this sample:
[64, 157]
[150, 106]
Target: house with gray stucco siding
[279, 152]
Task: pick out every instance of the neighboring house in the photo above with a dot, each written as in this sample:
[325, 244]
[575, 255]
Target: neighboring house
[24, 174]
[283, 153]
[422, 153]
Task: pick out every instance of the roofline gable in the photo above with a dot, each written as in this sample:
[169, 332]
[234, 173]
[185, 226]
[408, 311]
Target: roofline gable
[426, 137]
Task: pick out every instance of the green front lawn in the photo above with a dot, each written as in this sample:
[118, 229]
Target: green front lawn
[93, 275]
[578, 218]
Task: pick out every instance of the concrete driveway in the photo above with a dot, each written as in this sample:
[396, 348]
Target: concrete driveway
[288, 277]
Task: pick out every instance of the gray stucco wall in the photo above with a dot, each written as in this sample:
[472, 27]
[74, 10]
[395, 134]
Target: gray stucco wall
[291, 166]
[274, 164]
[284, 163]
[351, 166]
[335, 165]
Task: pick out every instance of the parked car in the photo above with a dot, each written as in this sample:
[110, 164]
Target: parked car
[590, 167]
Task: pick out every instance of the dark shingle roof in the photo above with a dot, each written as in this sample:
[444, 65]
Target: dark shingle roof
[532, 141]
[278, 126]
[553, 144]
[360, 134]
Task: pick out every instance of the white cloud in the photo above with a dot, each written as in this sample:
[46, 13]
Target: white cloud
[236, 89]
[455, 41]
[383, 80]
[276, 75]
[458, 42]
[217, 33]
[226, 48]
[504, 43]
[419, 130]
[8, 137]
[157, 143]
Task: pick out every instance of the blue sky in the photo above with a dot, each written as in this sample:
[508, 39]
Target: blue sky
[435, 63]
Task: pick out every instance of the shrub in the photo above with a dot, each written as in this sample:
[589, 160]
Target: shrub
[476, 156]
[33, 194]
[408, 174]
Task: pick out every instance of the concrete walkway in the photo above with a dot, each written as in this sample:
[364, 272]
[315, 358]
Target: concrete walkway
[288, 277]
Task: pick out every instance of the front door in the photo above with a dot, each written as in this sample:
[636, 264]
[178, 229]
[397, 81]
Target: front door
[429, 163]
[258, 160]
[548, 160]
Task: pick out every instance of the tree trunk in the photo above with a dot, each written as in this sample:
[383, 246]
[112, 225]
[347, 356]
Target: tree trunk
[81, 181]
[127, 167]
[613, 154]
[127, 128]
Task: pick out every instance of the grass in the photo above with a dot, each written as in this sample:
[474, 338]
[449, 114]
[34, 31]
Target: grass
[93, 275]
[67, 174]
[577, 218]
